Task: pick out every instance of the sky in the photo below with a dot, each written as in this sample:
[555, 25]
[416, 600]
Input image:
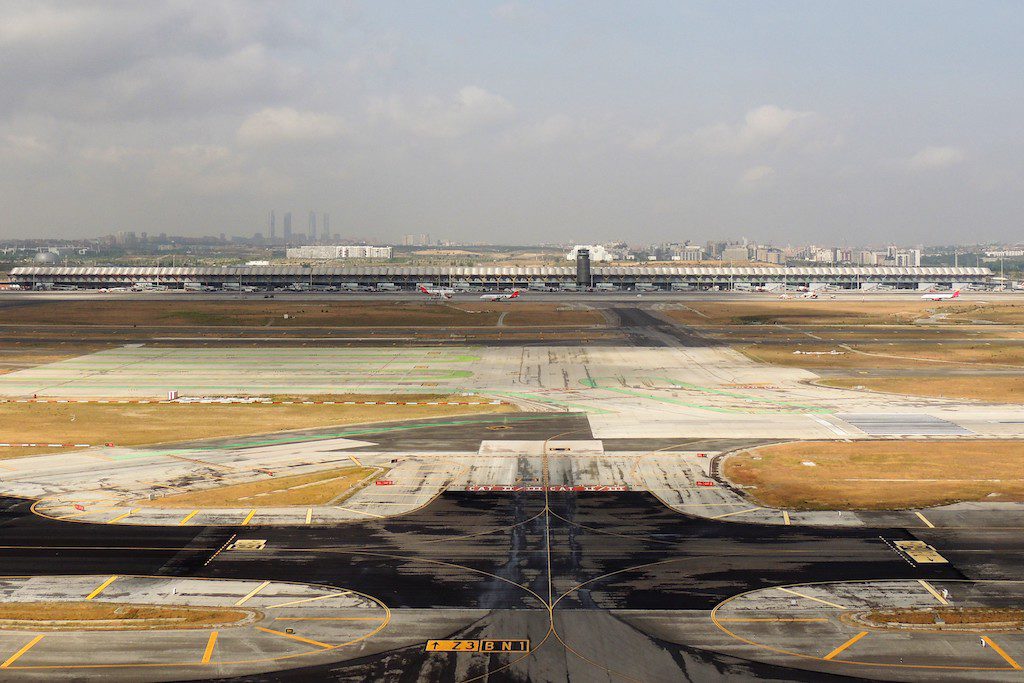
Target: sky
[820, 121]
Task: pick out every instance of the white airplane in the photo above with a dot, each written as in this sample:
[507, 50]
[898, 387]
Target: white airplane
[500, 297]
[440, 293]
[941, 296]
[809, 295]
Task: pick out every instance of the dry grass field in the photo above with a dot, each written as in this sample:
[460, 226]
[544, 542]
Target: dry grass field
[802, 312]
[880, 474]
[136, 425]
[19, 356]
[996, 389]
[924, 353]
[260, 313]
[318, 488]
[112, 616]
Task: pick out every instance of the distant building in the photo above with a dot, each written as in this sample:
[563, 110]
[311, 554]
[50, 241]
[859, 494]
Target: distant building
[312, 226]
[597, 253]
[420, 240]
[273, 225]
[324, 252]
[735, 253]
[287, 226]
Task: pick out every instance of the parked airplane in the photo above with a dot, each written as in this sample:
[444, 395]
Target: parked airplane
[501, 297]
[941, 296]
[439, 292]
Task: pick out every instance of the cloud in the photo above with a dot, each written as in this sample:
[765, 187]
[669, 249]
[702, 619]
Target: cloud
[764, 126]
[286, 125]
[931, 158]
[471, 109]
[756, 175]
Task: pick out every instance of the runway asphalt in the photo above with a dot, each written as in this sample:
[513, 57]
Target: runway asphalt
[606, 586]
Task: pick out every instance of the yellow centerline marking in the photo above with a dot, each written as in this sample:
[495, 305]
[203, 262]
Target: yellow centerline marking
[785, 517]
[1009, 660]
[120, 517]
[100, 588]
[328, 618]
[309, 515]
[248, 517]
[28, 646]
[253, 592]
[184, 520]
[809, 597]
[737, 512]
[295, 637]
[361, 512]
[353, 459]
[740, 620]
[924, 519]
[851, 641]
[928, 587]
[208, 653]
[305, 600]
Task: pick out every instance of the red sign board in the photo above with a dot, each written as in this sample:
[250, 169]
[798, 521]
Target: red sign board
[705, 483]
[384, 482]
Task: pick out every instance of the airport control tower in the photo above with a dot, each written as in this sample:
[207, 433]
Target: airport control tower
[583, 277]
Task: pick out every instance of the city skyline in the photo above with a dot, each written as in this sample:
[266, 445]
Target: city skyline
[542, 122]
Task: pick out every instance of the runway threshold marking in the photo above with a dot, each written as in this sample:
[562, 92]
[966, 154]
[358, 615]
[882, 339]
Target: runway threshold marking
[25, 648]
[102, 587]
[184, 520]
[295, 637]
[251, 594]
[809, 597]
[305, 600]
[1002, 653]
[248, 517]
[210, 644]
[924, 519]
[935, 594]
[839, 650]
[737, 512]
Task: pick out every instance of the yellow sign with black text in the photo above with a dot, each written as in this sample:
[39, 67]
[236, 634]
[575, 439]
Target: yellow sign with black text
[488, 646]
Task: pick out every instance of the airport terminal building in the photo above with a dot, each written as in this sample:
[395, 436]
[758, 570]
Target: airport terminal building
[581, 277]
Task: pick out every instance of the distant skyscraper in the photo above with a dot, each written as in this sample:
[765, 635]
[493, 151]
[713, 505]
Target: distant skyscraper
[288, 226]
[327, 227]
[273, 224]
[312, 226]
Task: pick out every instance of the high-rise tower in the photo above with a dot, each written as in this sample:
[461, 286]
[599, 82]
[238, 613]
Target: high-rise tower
[311, 233]
[273, 224]
[288, 227]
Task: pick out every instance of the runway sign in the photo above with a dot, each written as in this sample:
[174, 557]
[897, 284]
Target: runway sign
[705, 483]
[487, 646]
[385, 482]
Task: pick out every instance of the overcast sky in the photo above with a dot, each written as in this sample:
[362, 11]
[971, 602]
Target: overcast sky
[514, 122]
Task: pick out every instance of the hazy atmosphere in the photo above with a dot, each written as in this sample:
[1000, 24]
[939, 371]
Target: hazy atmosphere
[515, 122]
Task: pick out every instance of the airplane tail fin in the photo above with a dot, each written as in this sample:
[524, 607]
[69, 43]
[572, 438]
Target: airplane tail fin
[515, 294]
[956, 293]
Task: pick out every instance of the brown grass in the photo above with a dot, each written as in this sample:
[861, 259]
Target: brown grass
[136, 425]
[997, 389]
[880, 474]
[318, 488]
[109, 616]
[261, 313]
[803, 312]
[966, 616]
[896, 355]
